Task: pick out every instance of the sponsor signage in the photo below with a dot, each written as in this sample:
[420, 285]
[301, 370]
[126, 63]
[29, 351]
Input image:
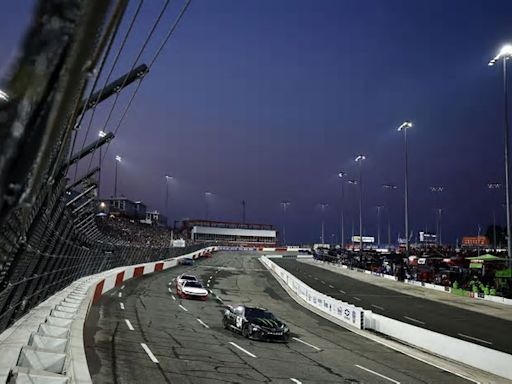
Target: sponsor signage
[366, 239]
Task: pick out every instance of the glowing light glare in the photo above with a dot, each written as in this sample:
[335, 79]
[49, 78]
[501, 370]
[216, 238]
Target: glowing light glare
[102, 205]
[4, 96]
[118, 158]
[360, 158]
[352, 182]
[102, 134]
[169, 177]
[207, 194]
[505, 51]
[405, 125]
[342, 174]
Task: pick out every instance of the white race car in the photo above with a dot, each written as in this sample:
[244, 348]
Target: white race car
[181, 279]
[193, 290]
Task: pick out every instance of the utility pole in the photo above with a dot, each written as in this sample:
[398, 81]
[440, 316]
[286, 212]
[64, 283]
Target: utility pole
[243, 211]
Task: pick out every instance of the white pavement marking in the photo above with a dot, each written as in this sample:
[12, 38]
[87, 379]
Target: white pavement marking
[120, 294]
[295, 380]
[330, 286]
[357, 298]
[170, 290]
[474, 338]
[203, 323]
[323, 282]
[218, 298]
[150, 354]
[309, 345]
[182, 307]
[170, 283]
[342, 291]
[415, 320]
[243, 350]
[377, 374]
[122, 286]
[316, 278]
[121, 305]
[378, 307]
[173, 297]
[130, 326]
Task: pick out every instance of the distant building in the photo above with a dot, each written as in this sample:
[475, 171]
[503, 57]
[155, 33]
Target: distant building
[121, 206]
[140, 210]
[156, 217]
[239, 234]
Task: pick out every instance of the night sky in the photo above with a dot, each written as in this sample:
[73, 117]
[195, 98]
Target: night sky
[268, 100]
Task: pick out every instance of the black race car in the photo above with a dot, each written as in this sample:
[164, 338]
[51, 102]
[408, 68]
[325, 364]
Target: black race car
[255, 323]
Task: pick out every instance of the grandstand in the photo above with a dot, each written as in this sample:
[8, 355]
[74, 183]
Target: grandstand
[232, 233]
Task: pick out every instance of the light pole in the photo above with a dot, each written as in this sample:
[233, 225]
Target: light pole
[352, 182]
[341, 175]
[359, 159]
[206, 197]
[284, 205]
[403, 128]
[101, 134]
[436, 190]
[505, 54]
[379, 207]
[167, 180]
[389, 188]
[323, 206]
[493, 187]
[118, 160]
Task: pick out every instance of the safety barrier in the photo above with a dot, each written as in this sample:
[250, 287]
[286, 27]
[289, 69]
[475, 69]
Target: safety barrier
[348, 313]
[474, 355]
[46, 345]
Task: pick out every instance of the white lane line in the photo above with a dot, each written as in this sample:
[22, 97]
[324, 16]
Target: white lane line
[357, 298]
[122, 286]
[330, 286]
[182, 307]
[120, 294]
[170, 290]
[309, 345]
[170, 283]
[121, 305]
[341, 290]
[242, 349]
[377, 374]
[173, 297]
[129, 325]
[218, 298]
[415, 320]
[323, 282]
[150, 354]
[203, 323]
[316, 278]
[474, 338]
[378, 307]
[295, 380]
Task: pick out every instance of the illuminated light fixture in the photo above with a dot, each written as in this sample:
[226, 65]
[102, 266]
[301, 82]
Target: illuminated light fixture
[102, 133]
[405, 125]
[118, 158]
[4, 96]
[342, 174]
[360, 158]
[505, 52]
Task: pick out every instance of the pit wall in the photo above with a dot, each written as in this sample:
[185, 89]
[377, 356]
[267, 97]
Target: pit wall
[46, 345]
[474, 355]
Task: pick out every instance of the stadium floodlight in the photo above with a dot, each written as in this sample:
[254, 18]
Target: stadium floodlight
[341, 175]
[354, 182]
[505, 53]
[404, 126]
[118, 158]
[102, 133]
[4, 96]
[360, 158]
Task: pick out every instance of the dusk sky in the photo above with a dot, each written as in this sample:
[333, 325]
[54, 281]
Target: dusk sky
[267, 101]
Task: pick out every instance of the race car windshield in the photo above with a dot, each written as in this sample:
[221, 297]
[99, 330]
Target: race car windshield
[193, 284]
[253, 313]
[189, 278]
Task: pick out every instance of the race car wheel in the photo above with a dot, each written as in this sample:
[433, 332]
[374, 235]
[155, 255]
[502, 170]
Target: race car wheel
[246, 331]
[225, 323]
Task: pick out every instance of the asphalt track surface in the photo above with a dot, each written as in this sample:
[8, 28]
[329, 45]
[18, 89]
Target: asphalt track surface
[488, 331]
[139, 333]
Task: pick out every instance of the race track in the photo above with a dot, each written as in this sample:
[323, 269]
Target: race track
[142, 333]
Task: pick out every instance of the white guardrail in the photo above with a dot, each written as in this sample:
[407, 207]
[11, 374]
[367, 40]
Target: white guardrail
[486, 359]
[345, 312]
[46, 345]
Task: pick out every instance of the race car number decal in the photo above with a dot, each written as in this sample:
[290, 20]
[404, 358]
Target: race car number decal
[239, 321]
